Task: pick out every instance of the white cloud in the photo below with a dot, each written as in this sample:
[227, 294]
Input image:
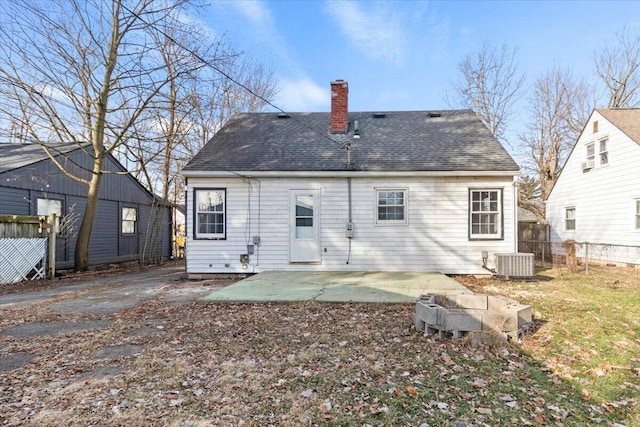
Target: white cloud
[256, 12]
[303, 95]
[264, 28]
[377, 30]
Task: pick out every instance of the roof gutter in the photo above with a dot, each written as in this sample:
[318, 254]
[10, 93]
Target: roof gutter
[341, 174]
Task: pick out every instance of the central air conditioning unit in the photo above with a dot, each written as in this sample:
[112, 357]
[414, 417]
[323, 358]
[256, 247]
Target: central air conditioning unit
[519, 265]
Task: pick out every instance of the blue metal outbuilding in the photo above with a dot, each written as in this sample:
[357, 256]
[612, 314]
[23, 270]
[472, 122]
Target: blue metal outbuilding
[131, 222]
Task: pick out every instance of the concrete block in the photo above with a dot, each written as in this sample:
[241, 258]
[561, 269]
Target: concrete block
[498, 303]
[458, 314]
[427, 312]
[471, 301]
[498, 322]
[446, 301]
[426, 298]
[520, 312]
[462, 320]
[418, 323]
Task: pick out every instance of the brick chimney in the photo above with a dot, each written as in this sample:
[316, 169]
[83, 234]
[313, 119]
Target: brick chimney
[339, 106]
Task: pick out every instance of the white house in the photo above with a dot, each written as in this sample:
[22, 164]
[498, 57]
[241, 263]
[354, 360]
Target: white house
[596, 198]
[365, 191]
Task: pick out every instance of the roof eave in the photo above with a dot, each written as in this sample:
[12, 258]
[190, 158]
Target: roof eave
[346, 174]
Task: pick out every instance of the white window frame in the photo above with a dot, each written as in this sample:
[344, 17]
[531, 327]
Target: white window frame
[603, 153]
[197, 234]
[479, 212]
[128, 220]
[636, 217]
[590, 153]
[404, 205]
[567, 219]
[45, 206]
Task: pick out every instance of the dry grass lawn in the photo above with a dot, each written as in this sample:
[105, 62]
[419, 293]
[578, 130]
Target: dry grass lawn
[335, 364]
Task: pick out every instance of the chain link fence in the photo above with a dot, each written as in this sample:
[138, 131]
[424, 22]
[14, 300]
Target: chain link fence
[571, 253]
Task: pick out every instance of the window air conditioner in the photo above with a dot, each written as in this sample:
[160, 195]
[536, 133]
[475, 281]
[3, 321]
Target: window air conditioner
[588, 164]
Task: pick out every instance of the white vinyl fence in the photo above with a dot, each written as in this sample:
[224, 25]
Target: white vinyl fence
[22, 259]
[23, 248]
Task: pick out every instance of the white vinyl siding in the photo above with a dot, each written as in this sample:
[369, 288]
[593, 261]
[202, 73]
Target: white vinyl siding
[436, 237]
[603, 197]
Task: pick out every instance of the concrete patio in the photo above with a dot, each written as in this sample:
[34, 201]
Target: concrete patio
[331, 286]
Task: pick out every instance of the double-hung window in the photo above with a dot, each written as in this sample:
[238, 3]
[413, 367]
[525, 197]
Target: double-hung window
[604, 152]
[210, 213]
[129, 220]
[570, 219]
[591, 156]
[485, 214]
[638, 214]
[391, 206]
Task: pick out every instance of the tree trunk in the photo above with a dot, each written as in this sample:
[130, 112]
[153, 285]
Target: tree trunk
[86, 227]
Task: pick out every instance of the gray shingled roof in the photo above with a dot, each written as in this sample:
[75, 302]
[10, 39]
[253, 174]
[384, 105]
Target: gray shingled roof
[402, 141]
[625, 119]
[14, 156]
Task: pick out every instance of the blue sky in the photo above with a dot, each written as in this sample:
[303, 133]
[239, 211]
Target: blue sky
[403, 55]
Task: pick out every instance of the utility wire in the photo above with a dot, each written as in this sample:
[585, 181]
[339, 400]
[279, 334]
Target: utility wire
[226, 75]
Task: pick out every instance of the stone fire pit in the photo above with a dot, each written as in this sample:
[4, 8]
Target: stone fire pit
[456, 315]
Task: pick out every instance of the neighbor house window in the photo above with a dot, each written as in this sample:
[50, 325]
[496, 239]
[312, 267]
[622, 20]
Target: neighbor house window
[570, 219]
[210, 207]
[129, 220]
[591, 156]
[391, 206]
[485, 214]
[49, 206]
[604, 152]
[638, 214]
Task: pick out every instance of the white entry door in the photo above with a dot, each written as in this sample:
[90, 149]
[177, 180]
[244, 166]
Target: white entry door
[304, 230]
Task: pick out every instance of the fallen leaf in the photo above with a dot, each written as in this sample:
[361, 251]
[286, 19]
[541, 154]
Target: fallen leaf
[484, 411]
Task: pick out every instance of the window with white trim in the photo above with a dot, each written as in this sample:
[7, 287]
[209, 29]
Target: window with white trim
[638, 214]
[604, 152]
[591, 156]
[570, 218]
[49, 206]
[485, 214]
[391, 206]
[210, 213]
[129, 220]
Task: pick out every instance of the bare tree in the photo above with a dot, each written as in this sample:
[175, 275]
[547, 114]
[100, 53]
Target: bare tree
[560, 108]
[192, 107]
[618, 66]
[490, 85]
[82, 71]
